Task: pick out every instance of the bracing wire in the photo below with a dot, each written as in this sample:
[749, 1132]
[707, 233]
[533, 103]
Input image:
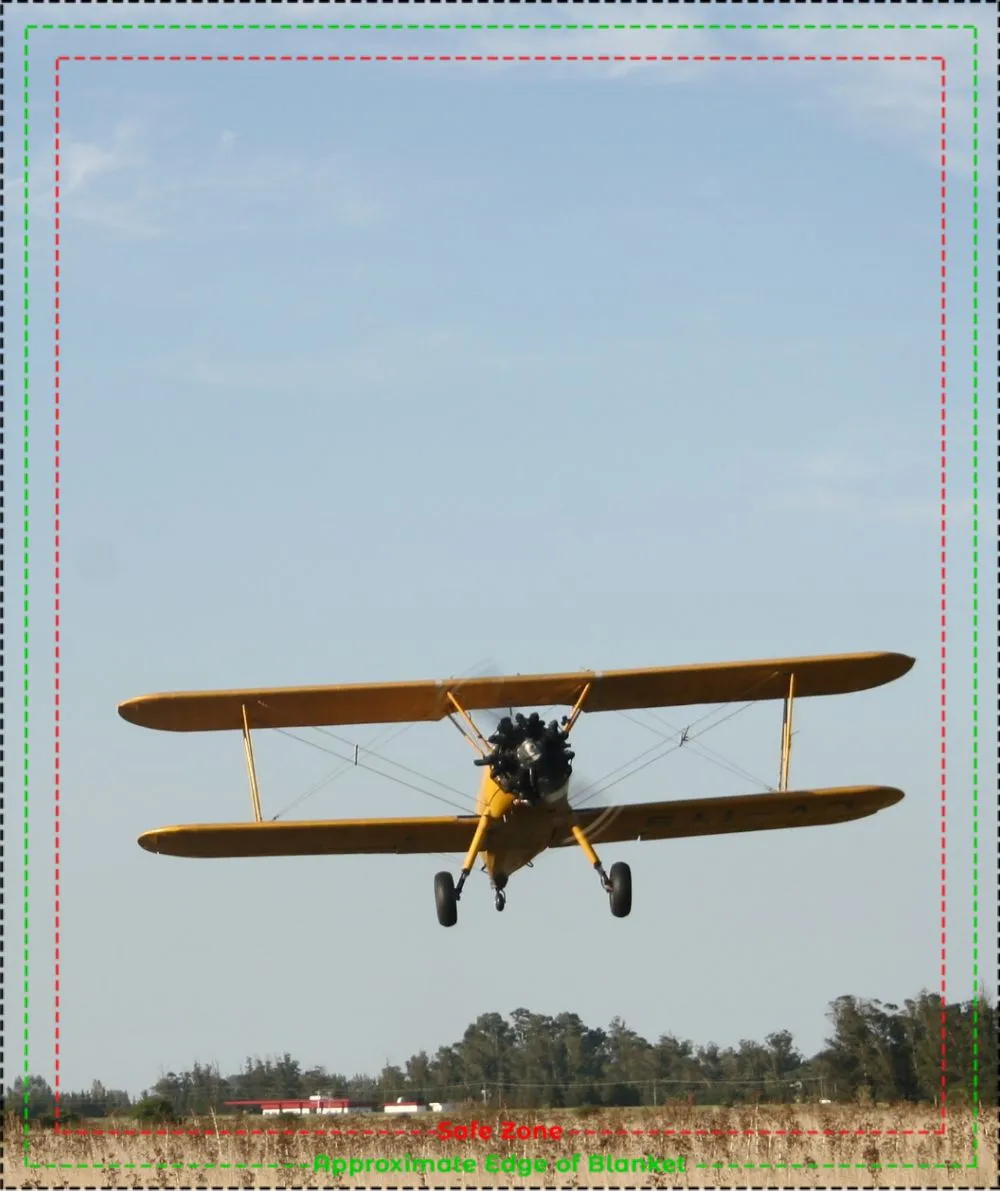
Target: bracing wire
[702, 750]
[602, 785]
[398, 764]
[391, 733]
[682, 737]
[347, 764]
[371, 769]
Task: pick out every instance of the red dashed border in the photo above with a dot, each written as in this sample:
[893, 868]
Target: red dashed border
[566, 1133]
[943, 556]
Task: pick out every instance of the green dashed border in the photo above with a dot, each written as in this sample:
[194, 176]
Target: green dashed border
[339, 1182]
[505, 27]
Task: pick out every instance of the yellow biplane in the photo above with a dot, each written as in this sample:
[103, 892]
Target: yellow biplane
[523, 806]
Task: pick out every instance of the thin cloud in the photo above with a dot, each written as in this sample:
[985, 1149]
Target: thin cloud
[841, 467]
[104, 183]
[833, 467]
[332, 188]
[900, 488]
[411, 357]
[894, 485]
[112, 185]
[82, 163]
[894, 102]
[820, 500]
[899, 102]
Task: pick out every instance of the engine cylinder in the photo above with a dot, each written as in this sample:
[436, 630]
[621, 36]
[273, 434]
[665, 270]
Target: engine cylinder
[531, 760]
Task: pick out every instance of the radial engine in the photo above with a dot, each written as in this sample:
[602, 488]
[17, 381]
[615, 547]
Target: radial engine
[530, 759]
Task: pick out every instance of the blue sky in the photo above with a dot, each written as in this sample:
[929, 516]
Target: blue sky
[389, 370]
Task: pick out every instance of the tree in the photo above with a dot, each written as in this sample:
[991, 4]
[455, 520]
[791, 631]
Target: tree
[582, 1057]
[155, 1110]
[676, 1065]
[448, 1073]
[97, 1101]
[631, 1064]
[419, 1081]
[785, 1060]
[31, 1095]
[286, 1079]
[484, 1052]
[392, 1083]
[875, 1049]
[922, 1025]
[536, 1060]
[871, 1051]
[319, 1082]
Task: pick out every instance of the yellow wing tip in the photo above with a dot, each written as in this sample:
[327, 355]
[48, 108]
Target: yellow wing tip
[159, 838]
[870, 799]
[130, 710]
[159, 711]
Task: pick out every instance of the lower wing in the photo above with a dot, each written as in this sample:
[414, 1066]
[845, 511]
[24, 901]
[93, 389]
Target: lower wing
[638, 821]
[336, 837]
[718, 816]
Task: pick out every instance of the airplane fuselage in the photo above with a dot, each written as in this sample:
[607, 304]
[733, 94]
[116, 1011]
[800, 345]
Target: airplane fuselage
[519, 830]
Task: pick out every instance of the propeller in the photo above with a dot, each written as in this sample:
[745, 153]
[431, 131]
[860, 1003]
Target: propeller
[489, 719]
[490, 716]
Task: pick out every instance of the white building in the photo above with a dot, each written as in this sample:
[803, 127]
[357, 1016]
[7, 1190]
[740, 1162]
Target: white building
[401, 1104]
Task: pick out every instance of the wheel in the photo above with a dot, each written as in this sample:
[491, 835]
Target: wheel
[444, 896]
[621, 889]
[500, 900]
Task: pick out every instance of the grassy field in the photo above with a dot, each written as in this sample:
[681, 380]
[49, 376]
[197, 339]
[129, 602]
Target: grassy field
[774, 1146]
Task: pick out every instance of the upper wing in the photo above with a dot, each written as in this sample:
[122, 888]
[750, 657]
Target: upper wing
[611, 690]
[344, 837]
[718, 816]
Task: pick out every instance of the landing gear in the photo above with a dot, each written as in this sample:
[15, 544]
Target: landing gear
[499, 885]
[619, 888]
[446, 892]
[446, 899]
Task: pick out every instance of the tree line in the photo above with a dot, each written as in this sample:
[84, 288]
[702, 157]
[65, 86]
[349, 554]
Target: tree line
[877, 1051]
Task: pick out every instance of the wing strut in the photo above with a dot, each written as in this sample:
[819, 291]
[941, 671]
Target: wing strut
[574, 715]
[473, 852]
[478, 741]
[786, 735]
[588, 850]
[251, 768]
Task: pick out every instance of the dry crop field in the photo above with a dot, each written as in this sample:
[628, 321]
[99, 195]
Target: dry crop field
[773, 1146]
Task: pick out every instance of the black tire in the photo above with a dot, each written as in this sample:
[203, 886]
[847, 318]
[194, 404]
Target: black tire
[444, 896]
[621, 889]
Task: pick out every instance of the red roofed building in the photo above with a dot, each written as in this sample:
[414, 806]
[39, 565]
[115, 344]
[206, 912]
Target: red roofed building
[315, 1105]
